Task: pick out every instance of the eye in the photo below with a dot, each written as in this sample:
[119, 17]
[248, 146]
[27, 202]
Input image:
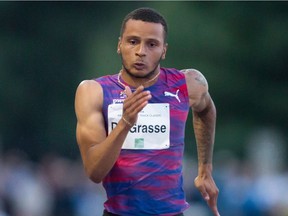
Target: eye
[132, 42]
[152, 44]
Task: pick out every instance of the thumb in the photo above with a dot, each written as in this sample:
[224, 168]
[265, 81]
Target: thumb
[205, 195]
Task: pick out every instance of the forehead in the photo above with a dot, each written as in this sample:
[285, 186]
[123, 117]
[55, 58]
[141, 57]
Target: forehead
[143, 29]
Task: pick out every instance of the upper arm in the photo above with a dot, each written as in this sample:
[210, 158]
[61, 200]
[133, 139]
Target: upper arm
[90, 122]
[197, 87]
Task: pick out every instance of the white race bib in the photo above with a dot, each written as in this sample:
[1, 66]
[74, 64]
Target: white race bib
[152, 129]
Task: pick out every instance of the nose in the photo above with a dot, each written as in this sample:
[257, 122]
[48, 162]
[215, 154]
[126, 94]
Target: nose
[141, 50]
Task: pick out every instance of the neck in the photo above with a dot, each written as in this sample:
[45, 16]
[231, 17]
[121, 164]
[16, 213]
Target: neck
[136, 81]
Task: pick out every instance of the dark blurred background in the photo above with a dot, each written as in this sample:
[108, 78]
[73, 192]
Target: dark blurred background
[48, 48]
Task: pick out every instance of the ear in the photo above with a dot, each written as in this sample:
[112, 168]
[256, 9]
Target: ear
[164, 51]
[119, 46]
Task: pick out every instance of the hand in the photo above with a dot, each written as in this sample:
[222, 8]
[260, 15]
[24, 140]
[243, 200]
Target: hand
[134, 103]
[209, 191]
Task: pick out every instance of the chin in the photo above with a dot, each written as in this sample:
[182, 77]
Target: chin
[138, 73]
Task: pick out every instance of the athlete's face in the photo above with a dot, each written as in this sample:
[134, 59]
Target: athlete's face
[142, 47]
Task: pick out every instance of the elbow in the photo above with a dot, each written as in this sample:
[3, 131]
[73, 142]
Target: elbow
[93, 175]
[95, 179]
[210, 109]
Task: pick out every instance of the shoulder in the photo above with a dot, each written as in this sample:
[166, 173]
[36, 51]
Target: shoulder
[88, 87]
[89, 95]
[195, 78]
[197, 85]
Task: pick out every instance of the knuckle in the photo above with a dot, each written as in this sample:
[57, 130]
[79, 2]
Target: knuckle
[215, 193]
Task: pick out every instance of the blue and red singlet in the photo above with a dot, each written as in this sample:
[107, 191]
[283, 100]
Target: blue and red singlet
[149, 181]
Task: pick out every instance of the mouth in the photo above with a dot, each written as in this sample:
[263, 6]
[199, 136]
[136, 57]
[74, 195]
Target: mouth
[139, 65]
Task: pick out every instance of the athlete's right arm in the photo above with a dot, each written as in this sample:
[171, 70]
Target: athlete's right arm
[99, 152]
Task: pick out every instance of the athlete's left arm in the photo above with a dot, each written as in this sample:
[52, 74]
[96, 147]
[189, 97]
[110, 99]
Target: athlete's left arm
[204, 121]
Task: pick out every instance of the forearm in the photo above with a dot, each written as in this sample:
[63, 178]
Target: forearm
[204, 128]
[100, 158]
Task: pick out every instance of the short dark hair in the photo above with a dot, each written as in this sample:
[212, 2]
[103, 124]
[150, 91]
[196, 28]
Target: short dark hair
[145, 15]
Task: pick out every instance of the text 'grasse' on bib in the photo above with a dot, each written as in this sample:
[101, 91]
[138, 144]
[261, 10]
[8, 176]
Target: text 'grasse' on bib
[152, 129]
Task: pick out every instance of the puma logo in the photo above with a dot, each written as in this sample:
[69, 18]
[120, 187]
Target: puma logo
[169, 94]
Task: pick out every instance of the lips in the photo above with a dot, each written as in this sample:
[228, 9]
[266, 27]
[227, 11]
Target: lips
[139, 65]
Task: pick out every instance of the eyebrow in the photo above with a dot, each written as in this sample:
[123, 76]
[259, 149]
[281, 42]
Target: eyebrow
[139, 38]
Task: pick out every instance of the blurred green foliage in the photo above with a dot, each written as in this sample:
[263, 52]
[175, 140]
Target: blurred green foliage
[48, 48]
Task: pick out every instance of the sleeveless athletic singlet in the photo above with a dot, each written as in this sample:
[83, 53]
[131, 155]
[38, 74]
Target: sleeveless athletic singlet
[149, 181]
